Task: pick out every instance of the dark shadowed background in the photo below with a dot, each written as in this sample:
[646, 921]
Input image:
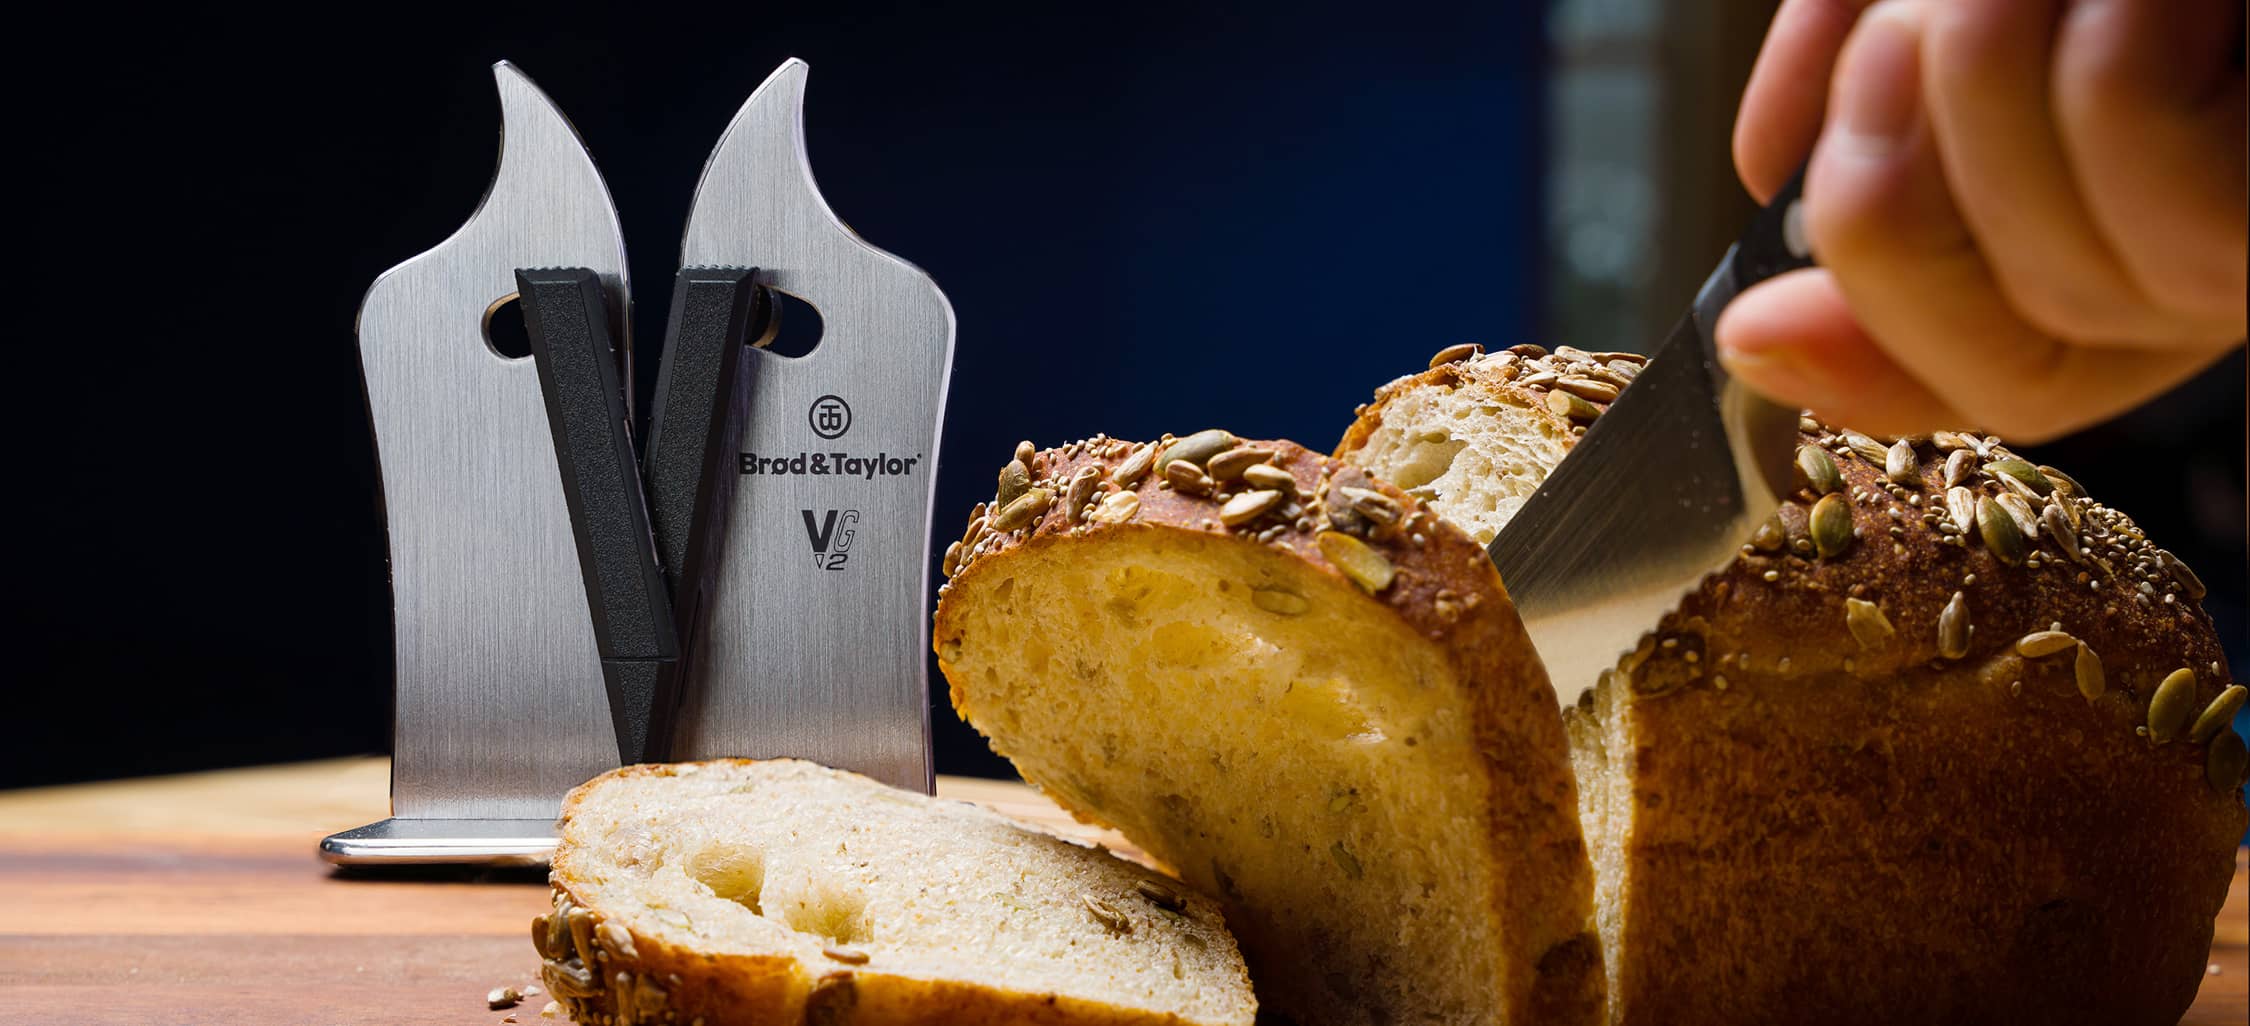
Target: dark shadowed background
[1183, 217]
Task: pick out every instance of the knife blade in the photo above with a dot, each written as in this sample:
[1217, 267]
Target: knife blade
[1663, 489]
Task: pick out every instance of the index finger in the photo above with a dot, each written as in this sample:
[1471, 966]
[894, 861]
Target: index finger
[1787, 95]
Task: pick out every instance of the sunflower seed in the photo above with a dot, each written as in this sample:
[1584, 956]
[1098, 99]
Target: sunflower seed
[2088, 667]
[1024, 510]
[1117, 508]
[1770, 536]
[2024, 472]
[1540, 379]
[1948, 441]
[2063, 483]
[1953, 628]
[1377, 507]
[2039, 644]
[1456, 353]
[1959, 467]
[2219, 714]
[1819, 469]
[1625, 370]
[1025, 452]
[1807, 425]
[848, 956]
[1196, 448]
[1868, 449]
[1961, 507]
[1831, 525]
[1187, 478]
[1588, 388]
[1136, 466]
[1345, 860]
[1999, 532]
[1107, 915]
[2058, 527]
[1564, 404]
[1264, 475]
[2225, 761]
[2190, 583]
[1369, 569]
[1277, 600]
[1229, 465]
[952, 560]
[2172, 706]
[1900, 464]
[1248, 506]
[502, 997]
[1014, 478]
[1868, 624]
[1081, 492]
[1528, 350]
[1160, 896]
[2020, 511]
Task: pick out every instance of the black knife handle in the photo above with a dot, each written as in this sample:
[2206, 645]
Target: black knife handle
[568, 325]
[1775, 243]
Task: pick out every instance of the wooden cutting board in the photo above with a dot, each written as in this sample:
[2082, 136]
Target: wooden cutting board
[198, 899]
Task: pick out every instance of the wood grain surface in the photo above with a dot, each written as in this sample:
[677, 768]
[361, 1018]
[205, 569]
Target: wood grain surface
[198, 899]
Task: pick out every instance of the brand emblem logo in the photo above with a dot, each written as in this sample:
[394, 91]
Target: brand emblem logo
[829, 416]
[830, 534]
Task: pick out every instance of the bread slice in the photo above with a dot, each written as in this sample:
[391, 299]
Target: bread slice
[1304, 693]
[1965, 759]
[740, 892]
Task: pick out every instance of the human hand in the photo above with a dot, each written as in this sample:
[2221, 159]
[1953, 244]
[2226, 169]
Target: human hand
[2029, 213]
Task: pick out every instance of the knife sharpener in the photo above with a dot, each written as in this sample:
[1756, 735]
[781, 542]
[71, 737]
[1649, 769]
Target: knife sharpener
[790, 516]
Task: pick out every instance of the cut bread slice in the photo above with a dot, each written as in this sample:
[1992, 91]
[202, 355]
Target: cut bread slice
[1304, 693]
[1920, 754]
[741, 892]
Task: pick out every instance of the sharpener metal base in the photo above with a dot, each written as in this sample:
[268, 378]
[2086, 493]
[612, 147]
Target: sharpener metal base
[419, 842]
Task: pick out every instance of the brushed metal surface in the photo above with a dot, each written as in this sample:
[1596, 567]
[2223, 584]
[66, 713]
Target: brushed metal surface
[493, 637]
[1663, 490]
[409, 842]
[806, 655]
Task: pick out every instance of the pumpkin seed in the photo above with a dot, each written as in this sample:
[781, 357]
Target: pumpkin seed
[1160, 896]
[1999, 532]
[1248, 506]
[1868, 625]
[1279, 601]
[1900, 464]
[1961, 506]
[1868, 449]
[1264, 475]
[1026, 452]
[1107, 915]
[1831, 525]
[1377, 507]
[2219, 714]
[1014, 478]
[2020, 511]
[2021, 471]
[2088, 667]
[1456, 353]
[1588, 388]
[1081, 492]
[1229, 465]
[1369, 569]
[1953, 627]
[2039, 644]
[2225, 760]
[1564, 404]
[2172, 706]
[1819, 469]
[2064, 483]
[848, 956]
[1187, 478]
[1345, 860]
[1770, 536]
[2192, 584]
[1136, 466]
[1960, 467]
[1117, 508]
[1024, 510]
[1196, 448]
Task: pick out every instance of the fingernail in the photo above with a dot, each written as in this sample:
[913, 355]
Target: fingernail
[1876, 87]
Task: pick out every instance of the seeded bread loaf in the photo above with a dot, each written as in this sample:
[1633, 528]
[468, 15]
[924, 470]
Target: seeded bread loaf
[1949, 742]
[781, 892]
[1304, 693]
